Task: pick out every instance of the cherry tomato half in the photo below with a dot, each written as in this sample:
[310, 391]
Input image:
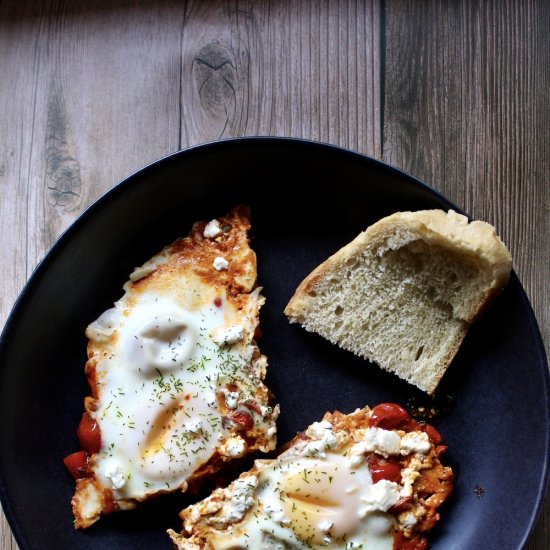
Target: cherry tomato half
[77, 464]
[390, 416]
[88, 434]
[431, 432]
[380, 468]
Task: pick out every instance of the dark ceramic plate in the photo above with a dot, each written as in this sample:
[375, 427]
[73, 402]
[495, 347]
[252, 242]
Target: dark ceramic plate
[307, 201]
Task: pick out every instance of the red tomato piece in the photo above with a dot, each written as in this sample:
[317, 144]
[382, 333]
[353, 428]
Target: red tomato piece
[403, 543]
[88, 434]
[381, 468]
[77, 464]
[390, 416]
[432, 433]
[243, 419]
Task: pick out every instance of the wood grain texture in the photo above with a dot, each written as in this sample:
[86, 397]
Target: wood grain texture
[466, 91]
[466, 110]
[283, 69]
[455, 92]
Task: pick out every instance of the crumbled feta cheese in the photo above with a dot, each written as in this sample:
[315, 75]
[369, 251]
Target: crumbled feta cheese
[382, 496]
[408, 520]
[114, 472]
[259, 367]
[220, 264]
[415, 442]
[230, 335]
[409, 475]
[325, 439]
[234, 447]
[231, 399]
[212, 229]
[265, 411]
[318, 429]
[211, 506]
[241, 499]
[377, 440]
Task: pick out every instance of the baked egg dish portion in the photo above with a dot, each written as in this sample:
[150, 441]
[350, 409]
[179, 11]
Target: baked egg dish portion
[175, 374]
[371, 480]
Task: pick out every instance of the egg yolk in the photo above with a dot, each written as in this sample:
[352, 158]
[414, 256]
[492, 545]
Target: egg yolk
[321, 498]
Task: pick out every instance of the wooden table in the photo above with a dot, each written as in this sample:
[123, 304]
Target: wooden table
[456, 93]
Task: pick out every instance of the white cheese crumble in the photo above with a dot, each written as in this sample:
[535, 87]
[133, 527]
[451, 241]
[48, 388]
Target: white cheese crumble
[382, 496]
[415, 442]
[377, 440]
[114, 473]
[324, 436]
[229, 336]
[234, 447]
[231, 399]
[409, 475]
[212, 229]
[241, 499]
[265, 411]
[318, 429]
[408, 520]
[212, 506]
[220, 264]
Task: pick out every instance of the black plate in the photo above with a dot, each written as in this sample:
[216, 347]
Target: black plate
[307, 200]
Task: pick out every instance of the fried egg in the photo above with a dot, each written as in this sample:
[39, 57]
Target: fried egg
[327, 490]
[175, 373]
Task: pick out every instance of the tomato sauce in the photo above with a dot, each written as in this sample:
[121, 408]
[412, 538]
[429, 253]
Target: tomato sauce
[401, 542]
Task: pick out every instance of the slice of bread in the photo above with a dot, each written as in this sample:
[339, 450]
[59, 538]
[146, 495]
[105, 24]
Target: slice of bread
[175, 374]
[369, 479]
[404, 292]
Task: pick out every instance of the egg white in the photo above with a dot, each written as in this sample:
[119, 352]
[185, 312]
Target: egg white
[310, 502]
[158, 379]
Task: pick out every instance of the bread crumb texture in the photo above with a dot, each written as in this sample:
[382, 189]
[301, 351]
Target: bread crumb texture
[404, 292]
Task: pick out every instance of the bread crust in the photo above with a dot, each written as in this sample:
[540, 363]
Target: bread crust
[477, 241]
